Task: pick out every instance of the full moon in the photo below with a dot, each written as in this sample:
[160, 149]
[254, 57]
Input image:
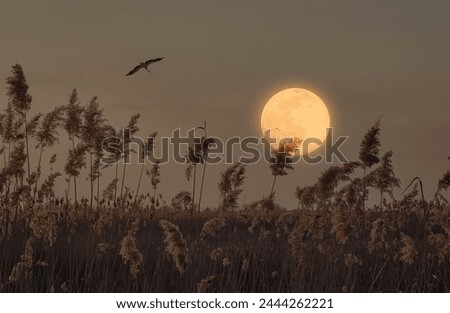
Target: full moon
[297, 116]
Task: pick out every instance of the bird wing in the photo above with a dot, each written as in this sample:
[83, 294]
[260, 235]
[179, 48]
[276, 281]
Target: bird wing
[137, 68]
[153, 61]
[134, 70]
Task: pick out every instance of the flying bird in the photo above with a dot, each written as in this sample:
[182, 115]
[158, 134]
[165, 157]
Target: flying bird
[144, 66]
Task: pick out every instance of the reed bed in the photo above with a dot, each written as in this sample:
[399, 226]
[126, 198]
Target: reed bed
[120, 239]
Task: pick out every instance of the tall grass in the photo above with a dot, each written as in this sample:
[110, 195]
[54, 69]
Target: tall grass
[332, 242]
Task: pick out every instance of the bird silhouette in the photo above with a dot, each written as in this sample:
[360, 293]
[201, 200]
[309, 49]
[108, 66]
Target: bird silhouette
[144, 65]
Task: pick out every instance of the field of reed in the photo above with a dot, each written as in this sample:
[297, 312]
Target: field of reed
[118, 238]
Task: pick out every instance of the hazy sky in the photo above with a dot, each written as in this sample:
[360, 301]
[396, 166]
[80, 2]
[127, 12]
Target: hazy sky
[224, 60]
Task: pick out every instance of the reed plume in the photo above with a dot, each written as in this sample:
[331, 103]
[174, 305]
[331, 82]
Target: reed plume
[368, 154]
[297, 241]
[378, 236]
[93, 123]
[308, 197]
[226, 262]
[44, 225]
[17, 161]
[32, 125]
[129, 251]
[279, 164]
[103, 223]
[147, 150]
[47, 133]
[217, 254]
[109, 192]
[212, 227]
[350, 259]
[206, 283]
[176, 246]
[127, 133]
[47, 188]
[444, 182]
[182, 201]
[73, 121]
[408, 252]
[340, 225]
[75, 162]
[103, 248]
[154, 175]
[17, 91]
[229, 186]
[285, 223]
[46, 136]
[11, 125]
[23, 268]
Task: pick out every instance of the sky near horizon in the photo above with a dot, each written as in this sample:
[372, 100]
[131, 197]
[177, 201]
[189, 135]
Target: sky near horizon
[223, 60]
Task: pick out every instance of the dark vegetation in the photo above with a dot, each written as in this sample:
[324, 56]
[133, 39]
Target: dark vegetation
[123, 239]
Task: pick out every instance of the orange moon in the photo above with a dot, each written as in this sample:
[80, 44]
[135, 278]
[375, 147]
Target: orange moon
[296, 114]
